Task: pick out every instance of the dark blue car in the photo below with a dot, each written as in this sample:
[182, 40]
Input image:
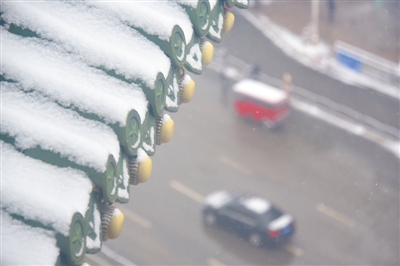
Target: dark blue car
[249, 215]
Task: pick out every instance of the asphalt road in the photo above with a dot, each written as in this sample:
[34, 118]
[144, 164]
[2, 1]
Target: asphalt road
[338, 187]
[251, 46]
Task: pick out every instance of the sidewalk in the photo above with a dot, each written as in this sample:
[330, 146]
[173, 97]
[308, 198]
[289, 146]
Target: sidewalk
[373, 26]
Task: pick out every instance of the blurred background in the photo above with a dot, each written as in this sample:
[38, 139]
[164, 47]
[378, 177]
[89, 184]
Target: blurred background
[333, 164]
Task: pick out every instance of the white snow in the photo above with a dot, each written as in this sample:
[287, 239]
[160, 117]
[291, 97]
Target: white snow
[212, 3]
[117, 212]
[255, 204]
[174, 90]
[166, 118]
[150, 147]
[32, 120]
[260, 91]
[281, 222]
[155, 18]
[243, 2]
[91, 33]
[95, 243]
[186, 79]
[193, 58]
[141, 156]
[25, 245]
[46, 68]
[219, 23]
[124, 177]
[42, 192]
[191, 3]
[217, 199]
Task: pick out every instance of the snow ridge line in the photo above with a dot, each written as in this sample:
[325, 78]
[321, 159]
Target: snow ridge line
[319, 58]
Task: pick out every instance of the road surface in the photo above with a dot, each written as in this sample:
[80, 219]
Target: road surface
[340, 188]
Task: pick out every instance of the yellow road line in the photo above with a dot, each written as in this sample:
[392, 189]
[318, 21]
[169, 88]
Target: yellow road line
[335, 215]
[186, 190]
[136, 218]
[294, 250]
[214, 262]
[229, 161]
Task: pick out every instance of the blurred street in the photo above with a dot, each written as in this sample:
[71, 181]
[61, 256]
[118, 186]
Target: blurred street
[275, 63]
[370, 25]
[339, 188]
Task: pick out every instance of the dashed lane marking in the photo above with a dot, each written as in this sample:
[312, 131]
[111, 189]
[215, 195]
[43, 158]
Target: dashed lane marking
[228, 161]
[96, 259]
[186, 191]
[294, 250]
[214, 262]
[116, 257]
[335, 215]
[136, 218]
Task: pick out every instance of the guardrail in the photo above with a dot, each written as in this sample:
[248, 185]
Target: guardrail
[367, 63]
[236, 69]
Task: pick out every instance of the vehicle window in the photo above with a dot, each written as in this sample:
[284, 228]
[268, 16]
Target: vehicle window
[238, 214]
[272, 214]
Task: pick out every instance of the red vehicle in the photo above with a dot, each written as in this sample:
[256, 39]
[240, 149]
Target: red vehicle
[261, 102]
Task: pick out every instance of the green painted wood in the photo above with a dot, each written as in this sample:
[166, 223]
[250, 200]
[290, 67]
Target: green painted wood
[92, 225]
[217, 16]
[175, 48]
[199, 16]
[123, 178]
[195, 44]
[173, 98]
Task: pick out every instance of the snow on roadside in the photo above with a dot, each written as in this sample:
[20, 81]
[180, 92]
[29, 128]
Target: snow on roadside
[318, 57]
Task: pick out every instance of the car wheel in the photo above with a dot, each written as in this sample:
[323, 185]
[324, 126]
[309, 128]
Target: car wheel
[255, 239]
[210, 219]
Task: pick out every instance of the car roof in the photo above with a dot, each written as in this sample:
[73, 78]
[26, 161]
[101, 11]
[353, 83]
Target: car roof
[254, 203]
[218, 198]
[259, 90]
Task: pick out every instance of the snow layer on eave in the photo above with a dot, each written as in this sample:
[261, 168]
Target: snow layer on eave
[155, 18]
[32, 120]
[42, 192]
[25, 245]
[244, 2]
[191, 3]
[45, 67]
[212, 3]
[101, 39]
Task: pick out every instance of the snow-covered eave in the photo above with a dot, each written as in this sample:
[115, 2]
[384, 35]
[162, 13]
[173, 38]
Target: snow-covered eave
[25, 245]
[49, 69]
[90, 33]
[34, 121]
[155, 18]
[28, 184]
